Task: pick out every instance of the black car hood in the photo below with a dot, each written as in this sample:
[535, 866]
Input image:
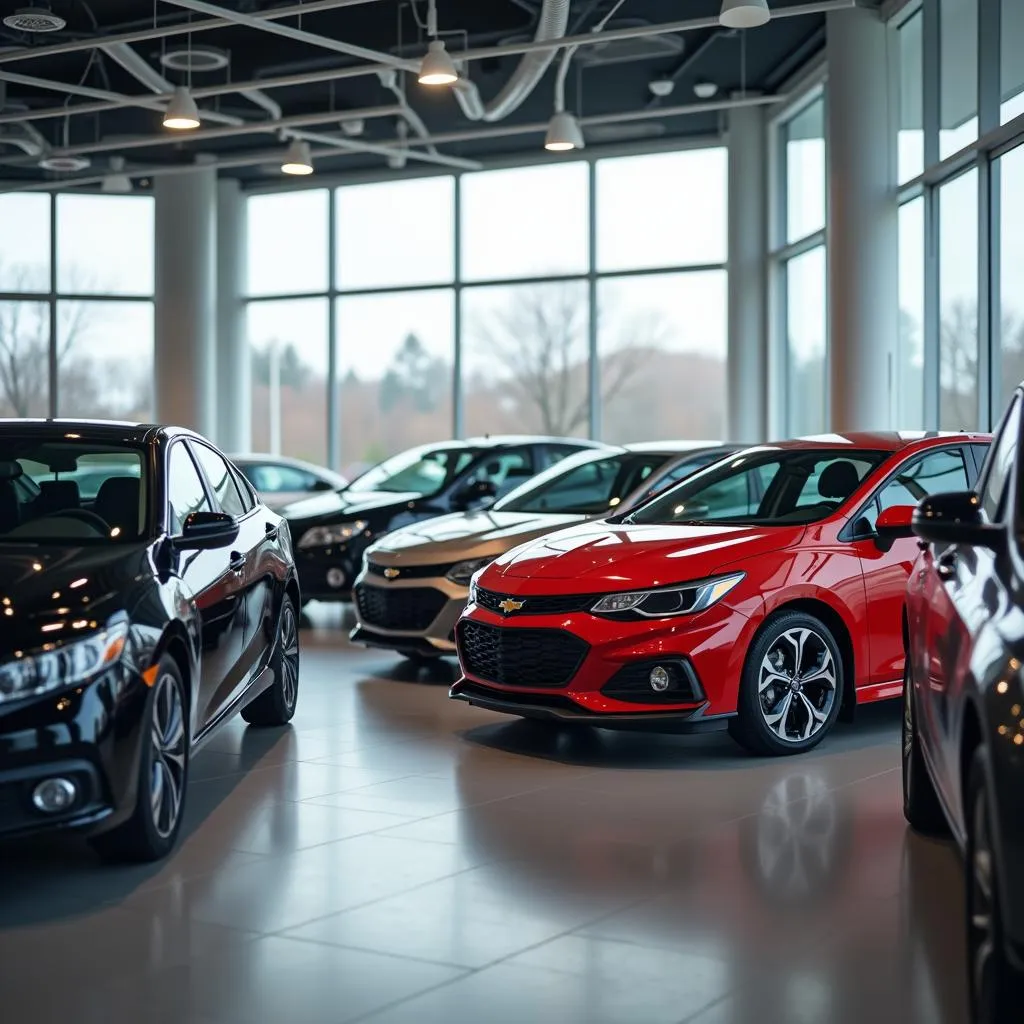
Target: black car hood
[341, 506]
[45, 585]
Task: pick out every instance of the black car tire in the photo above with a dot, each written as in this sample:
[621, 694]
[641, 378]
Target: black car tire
[750, 728]
[921, 805]
[993, 984]
[142, 838]
[276, 704]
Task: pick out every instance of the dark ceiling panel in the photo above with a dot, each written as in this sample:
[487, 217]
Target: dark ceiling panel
[608, 79]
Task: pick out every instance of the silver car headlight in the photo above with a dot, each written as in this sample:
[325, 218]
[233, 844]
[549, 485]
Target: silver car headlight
[336, 533]
[686, 599]
[462, 572]
[57, 667]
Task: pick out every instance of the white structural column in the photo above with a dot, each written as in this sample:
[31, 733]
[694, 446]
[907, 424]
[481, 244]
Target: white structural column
[186, 303]
[747, 366]
[233, 400]
[863, 241]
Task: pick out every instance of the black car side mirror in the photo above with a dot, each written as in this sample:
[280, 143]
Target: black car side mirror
[205, 530]
[955, 518]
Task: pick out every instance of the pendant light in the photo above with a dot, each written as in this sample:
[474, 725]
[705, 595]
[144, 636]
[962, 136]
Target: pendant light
[437, 67]
[744, 13]
[117, 182]
[182, 112]
[564, 133]
[297, 159]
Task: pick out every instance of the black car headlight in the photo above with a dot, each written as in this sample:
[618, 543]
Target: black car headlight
[462, 572]
[56, 667]
[685, 599]
[335, 533]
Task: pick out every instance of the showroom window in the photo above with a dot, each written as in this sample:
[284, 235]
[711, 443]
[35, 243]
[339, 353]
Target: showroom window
[800, 334]
[387, 314]
[958, 356]
[66, 327]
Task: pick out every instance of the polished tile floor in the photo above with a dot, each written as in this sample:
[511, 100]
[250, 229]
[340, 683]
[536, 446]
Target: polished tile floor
[396, 857]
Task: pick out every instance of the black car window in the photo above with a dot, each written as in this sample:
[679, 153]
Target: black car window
[71, 488]
[766, 487]
[999, 463]
[185, 492]
[219, 477]
[680, 472]
[933, 473]
[504, 469]
[579, 490]
[249, 499]
[425, 471]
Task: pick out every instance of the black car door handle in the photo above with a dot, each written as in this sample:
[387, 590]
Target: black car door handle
[272, 531]
[237, 563]
[946, 566]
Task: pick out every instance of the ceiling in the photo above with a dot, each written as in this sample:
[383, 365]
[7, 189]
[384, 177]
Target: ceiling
[244, 131]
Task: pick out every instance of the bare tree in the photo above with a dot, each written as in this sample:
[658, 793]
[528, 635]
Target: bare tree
[539, 341]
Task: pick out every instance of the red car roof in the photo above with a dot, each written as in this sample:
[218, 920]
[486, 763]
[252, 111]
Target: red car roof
[888, 441]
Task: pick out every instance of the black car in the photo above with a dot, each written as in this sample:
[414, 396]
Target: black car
[134, 621]
[963, 721]
[331, 531]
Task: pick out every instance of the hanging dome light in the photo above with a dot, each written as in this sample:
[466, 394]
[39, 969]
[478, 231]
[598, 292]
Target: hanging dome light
[298, 159]
[182, 112]
[437, 67]
[744, 13]
[564, 133]
[117, 182]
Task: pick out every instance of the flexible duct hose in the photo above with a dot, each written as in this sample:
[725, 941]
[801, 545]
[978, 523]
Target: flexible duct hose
[552, 24]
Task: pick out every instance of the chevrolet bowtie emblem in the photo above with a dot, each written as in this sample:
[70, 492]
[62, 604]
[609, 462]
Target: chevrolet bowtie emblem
[390, 573]
[509, 605]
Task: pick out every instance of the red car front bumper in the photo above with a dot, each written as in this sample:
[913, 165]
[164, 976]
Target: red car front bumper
[704, 653]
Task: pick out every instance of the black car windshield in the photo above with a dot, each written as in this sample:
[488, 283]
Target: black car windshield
[70, 491]
[765, 487]
[583, 485]
[423, 471]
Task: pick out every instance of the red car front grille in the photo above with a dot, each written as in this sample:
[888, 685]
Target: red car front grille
[539, 658]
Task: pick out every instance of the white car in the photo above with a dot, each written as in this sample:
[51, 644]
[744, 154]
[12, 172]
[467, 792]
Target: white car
[280, 480]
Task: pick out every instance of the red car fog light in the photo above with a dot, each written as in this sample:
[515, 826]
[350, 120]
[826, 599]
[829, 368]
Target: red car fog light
[661, 678]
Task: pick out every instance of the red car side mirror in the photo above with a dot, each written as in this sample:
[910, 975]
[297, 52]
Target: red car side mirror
[894, 523]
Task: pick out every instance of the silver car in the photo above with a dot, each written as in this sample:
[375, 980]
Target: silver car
[414, 582]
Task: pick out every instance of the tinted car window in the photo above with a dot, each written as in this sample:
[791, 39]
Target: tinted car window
[220, 479]
[419, 471]
[185, 493]
[506, 469]
[583, 490]
[933, 473]
[59, 490]
[764, 487]
[999, 464]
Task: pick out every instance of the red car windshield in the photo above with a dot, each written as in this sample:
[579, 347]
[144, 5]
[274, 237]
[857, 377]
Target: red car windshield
[765, 487]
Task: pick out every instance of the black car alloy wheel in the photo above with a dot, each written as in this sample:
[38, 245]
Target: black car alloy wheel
[167, 772]
[276, 704]
[289, 660]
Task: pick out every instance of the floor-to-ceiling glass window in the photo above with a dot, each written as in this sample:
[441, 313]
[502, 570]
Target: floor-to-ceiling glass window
[1011, 60]
[958, 75]
[76, 334]
[1010, 363]
[909, 363]
[800, 396]
[909, 81]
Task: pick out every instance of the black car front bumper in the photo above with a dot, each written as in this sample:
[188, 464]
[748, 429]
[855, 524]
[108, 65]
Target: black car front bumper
[327, 574]
[91, 735]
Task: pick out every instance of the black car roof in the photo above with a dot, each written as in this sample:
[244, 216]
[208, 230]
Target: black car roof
[94, 430]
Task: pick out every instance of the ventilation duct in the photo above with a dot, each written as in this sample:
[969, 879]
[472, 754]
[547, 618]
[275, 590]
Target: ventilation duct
[551, 25]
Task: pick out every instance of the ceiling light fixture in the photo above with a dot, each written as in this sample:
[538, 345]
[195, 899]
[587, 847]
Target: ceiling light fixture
[437, 67]
[117, 182]
[705, 90]
[38, 18]
[298, 159]
[744, 13]
[564, 133]
[182, 112]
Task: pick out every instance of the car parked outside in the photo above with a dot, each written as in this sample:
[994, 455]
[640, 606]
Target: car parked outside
[763, 594]
[332, 531]
[135, 621]
[415, 581]
[963, 710]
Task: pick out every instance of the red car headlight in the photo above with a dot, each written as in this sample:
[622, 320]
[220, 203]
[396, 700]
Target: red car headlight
[685, 599]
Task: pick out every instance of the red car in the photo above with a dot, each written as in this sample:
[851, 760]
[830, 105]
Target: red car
[764, 594]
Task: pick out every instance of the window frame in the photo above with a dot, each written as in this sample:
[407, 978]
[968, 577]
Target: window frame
[168, 510]
[195, 446]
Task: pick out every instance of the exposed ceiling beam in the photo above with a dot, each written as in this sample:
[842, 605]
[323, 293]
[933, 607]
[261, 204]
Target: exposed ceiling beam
[344, 149]
[180, 29]
[298, 35]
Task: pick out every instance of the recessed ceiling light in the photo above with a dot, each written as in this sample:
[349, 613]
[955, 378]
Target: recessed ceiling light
[64, 164]
[35, 19]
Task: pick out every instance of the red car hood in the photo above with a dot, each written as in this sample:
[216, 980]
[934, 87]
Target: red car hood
[599, 556]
